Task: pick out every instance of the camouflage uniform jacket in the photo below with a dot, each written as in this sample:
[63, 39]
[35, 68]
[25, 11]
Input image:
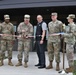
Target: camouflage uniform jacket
[70, 30]
[54, 27]
[28, 29]
[7, 29]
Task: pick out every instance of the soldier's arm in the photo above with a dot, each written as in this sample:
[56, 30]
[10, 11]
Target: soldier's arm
[71, 33]
[61, 29]
[31, 31]
[13, 32]
[75, 31]
[61, 26]
[19, 30]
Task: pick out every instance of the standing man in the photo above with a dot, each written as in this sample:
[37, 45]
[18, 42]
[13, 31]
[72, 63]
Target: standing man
[25, 29]
[6, 29]
[40, 40]
[5, 57]
[55, 26]
[70, 41]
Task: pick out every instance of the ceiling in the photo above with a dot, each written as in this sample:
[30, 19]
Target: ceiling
[10, 4]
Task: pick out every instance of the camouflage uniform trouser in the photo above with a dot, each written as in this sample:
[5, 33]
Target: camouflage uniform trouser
[70, 54]
[0, 52]
[6, 45]
[23, 45]
[54, 48]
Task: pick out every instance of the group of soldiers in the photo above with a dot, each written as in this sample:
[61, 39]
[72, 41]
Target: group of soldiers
[56, 26]
[25, 29]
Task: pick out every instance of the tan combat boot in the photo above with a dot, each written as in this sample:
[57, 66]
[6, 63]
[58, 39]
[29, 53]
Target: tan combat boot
[70, 69]
[19, 63]
[10, 63]
[50, 66]
[57, 67]
[25, 65]
[1, 63]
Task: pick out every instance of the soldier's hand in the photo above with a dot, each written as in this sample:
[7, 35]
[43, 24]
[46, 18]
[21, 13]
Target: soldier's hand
[23, 31]
[4, 35]
[27, 37]
[19, 37]
[1, 34]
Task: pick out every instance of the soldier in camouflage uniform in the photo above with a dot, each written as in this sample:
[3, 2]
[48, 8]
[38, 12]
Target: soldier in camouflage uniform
[25, 29]
[6, 41]
[70, 40]
[55, 26]
[5, 57]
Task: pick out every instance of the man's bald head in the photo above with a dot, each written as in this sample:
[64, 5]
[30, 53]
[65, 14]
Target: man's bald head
[39, 18]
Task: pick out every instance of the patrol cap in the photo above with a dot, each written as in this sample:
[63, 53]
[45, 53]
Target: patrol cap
[27, 16]
[54, 14]
[71, 16]
[6, 17]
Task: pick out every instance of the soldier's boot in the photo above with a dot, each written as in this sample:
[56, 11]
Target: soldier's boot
[70, 69]
[25, 65]
[49, 66]
[19, 63]
[57, 67]
[1, 63]
[10, 62]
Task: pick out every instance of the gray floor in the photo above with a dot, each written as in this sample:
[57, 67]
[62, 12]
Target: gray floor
[31, 70]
